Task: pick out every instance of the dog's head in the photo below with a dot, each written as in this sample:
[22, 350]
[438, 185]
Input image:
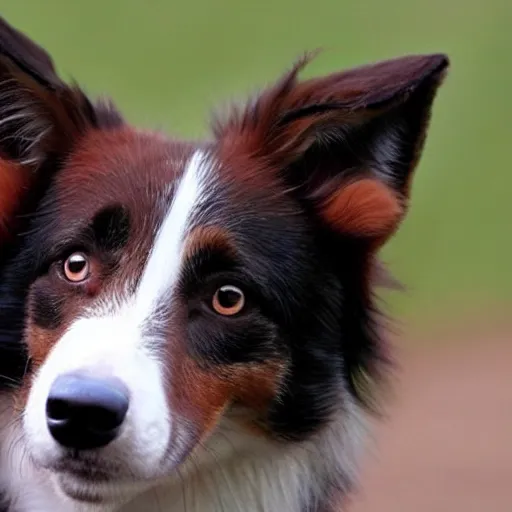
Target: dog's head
[167, 285]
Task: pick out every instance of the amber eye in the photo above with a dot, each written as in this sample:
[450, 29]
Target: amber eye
[228, 300]
[76, 267]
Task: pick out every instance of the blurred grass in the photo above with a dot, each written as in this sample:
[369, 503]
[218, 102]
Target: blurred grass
[168, 63]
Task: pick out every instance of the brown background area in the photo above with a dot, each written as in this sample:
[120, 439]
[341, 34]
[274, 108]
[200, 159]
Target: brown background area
[446, 444]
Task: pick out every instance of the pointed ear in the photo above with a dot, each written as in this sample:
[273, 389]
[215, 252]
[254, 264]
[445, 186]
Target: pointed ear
[348, 142]
[41, 118]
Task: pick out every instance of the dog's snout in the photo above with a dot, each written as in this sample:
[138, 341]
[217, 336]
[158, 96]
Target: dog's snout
[83, 412]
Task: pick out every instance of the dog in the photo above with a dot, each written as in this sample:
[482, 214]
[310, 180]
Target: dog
[192, 326]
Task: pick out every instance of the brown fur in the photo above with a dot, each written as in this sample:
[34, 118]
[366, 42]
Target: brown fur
[14, 181]
[363, 208]
[205, 237]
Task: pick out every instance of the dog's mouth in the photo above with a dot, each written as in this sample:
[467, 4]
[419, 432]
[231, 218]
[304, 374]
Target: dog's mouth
[74, 486]
[91, 479]
[86, 478]
[82, 485]
[88, 470]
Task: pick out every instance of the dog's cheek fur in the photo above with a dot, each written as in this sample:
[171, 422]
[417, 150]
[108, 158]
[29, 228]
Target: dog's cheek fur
[252, 340]
[333, 337]
[46, 307]
[313, 384]
[201, 391]
[45, 324]
[14, 284]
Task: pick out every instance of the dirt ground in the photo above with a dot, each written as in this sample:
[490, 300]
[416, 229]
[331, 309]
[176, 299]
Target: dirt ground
[446, 445]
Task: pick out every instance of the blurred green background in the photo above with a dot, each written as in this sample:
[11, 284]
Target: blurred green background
[168, 63]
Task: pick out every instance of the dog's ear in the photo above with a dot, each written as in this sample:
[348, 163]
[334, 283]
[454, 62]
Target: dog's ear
[41, 118]
[348, 142]
[27, 55]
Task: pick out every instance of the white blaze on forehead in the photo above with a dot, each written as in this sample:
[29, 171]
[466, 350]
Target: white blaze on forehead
[164, 261]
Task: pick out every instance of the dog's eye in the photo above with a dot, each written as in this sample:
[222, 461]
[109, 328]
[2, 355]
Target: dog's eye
[228, 300]
[76, 267]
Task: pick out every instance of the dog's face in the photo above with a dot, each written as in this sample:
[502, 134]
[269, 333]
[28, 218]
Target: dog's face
[168, 285]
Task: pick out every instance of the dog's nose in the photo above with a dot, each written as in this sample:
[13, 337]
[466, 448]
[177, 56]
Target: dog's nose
[83, 412]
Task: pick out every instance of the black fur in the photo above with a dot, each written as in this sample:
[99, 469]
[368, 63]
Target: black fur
[111, 228]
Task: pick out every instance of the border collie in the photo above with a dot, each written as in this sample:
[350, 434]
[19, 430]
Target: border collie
[191, 326]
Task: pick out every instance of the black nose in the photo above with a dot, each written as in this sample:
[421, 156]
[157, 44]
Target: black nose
[83, 412]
